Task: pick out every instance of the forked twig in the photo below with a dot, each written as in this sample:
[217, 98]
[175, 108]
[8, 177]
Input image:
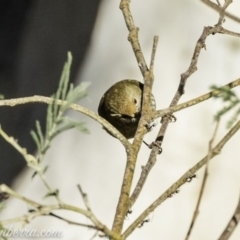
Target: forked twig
[218, 9]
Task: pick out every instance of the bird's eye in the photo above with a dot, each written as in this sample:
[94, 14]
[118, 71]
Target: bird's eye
[135, 101]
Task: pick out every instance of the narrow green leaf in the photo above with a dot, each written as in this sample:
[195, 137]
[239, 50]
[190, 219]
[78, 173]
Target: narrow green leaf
[81, 126]
[50, 119]
[46, 146]
[76, 94]
[61, 129]
[40, 134]
[66, 76]
[36, 140]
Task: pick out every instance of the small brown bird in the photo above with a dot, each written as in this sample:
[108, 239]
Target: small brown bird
[121, 106]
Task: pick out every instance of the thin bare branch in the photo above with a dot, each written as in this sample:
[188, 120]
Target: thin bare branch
[196, 212]
[5, 189]
[133, 35]
[72, 222]
[233, 223]
[218, 9]
[154, 49]
[85, 198]
[189, 174]
[41, 210]
[195, 101]
[76, 107]
[222, 11]
[95, 234]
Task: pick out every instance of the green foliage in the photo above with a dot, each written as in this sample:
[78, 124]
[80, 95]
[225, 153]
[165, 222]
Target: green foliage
[56, 122]
[1, 96]
[232, 103]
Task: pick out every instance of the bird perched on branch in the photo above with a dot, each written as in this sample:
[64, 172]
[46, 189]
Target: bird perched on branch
[121, 106]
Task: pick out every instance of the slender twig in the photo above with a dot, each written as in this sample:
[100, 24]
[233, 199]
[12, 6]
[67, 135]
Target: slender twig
[27, 218]
[31, 161]
[41, 210]
[95, 221]
[72, 222]
[215, 151]
[195, 101]
[95, 234]
[196, 212]
[133, 35]
[76, 107]
[218, 9]
[222, 11]
[85, 198]
[231, 226]
[154, 49]
[5, 189]
[228, 32]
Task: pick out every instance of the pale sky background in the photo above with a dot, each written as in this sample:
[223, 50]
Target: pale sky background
[97, 161]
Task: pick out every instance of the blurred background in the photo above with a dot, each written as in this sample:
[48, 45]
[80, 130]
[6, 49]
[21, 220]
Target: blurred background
[35, 38]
